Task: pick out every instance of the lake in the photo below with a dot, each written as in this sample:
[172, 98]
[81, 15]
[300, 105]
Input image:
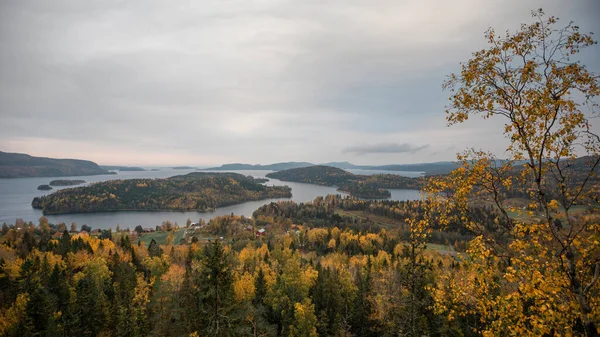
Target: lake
[16, 196]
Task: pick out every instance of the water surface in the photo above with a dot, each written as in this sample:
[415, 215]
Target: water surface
[16, 196]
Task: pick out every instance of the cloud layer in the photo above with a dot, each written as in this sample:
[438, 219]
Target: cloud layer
[385, 148]
[149, 82]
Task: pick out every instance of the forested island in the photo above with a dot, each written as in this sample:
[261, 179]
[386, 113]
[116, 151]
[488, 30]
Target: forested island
[44, 187]
[362, 186]
[194, 191]
[19, 165]
[122, 168]
[66, 182]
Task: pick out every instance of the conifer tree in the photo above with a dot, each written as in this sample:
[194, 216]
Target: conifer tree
[216, 291]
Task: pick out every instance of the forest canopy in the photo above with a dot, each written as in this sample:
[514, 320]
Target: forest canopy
[363, 186]
[193, 191]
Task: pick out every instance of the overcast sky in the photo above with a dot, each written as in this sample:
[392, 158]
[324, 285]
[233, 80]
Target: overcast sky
[210, 82]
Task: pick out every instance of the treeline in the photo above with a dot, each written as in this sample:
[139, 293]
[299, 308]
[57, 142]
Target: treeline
[66, 182]
[194, 191]
[324, 213]
[305, 283]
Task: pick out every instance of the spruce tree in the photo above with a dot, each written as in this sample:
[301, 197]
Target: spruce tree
[216, 290]
[154, 249]
[260, 288]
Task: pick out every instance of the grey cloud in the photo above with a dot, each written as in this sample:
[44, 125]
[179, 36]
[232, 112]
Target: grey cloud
[230, 77]
[385, 148]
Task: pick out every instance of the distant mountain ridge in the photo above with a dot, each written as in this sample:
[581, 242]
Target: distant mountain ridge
[272, 167]
[363, 186]
[20, 165]
[442, 167]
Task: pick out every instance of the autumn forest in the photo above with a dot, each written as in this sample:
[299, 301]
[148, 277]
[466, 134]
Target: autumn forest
[497, 247]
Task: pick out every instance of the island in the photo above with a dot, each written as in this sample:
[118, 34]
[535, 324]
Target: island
[362, 186]
[122, 168]
[44, 187]
[19, 165]
[196, 191]
[183, 168]
[66, 182]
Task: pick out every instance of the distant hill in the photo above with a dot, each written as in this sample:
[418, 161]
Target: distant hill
[272, 167]
[318, 175]
[363, 186]
[346, 165]
[122, 168]
[443, 167]
[19, 165]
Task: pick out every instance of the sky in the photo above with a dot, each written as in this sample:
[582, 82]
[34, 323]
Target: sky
[149, 82]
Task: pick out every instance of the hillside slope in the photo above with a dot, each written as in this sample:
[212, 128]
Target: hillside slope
[19, 165]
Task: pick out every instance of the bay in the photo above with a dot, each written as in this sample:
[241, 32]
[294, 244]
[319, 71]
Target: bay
[16, 196]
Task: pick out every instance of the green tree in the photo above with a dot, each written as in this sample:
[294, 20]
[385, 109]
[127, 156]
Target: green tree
[260, 288]
[90, 313]
[362, 323]
[216, 291]
[154, 249]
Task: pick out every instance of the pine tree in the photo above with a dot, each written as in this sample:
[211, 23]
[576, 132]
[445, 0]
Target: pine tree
[261, 313]
[39, 310]
[216, 289]
[65, 243]
[154, 249]
[260, 288]
[362, 325]
[90, 315]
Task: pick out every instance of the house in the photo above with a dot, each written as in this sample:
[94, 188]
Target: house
[250, 228]
[96, 231]
[148, 230]
[261, 232]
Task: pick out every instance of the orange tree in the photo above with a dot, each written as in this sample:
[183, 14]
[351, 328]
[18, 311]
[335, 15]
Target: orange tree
[535, 270]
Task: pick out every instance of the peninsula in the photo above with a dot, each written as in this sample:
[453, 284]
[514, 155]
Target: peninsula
[19, 165]
[362, 186]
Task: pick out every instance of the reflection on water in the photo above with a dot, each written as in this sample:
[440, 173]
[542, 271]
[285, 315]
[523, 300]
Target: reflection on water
[16, 196]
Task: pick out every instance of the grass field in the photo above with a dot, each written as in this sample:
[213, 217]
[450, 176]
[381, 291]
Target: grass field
[161, 237]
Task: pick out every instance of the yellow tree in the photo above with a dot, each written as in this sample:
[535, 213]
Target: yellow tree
[535, 273]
